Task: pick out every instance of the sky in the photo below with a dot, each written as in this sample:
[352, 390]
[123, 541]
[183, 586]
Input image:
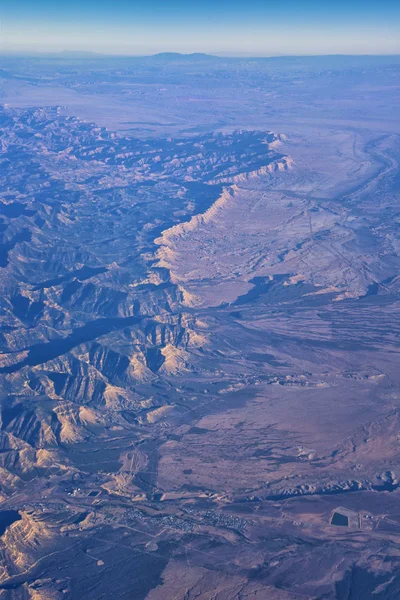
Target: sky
[235, 27]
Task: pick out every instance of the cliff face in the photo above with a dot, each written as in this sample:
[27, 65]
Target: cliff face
[93, 321]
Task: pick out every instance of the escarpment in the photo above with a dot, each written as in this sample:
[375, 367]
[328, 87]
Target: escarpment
[89, 311]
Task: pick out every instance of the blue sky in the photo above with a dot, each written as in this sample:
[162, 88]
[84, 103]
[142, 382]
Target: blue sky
[257, 27]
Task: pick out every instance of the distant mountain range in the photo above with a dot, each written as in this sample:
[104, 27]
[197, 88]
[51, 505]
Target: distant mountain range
[335, 60]
[178, 56]
[167, 56]
[86, 54]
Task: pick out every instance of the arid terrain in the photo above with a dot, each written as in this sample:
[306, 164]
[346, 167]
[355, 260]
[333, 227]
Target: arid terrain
[199, 328]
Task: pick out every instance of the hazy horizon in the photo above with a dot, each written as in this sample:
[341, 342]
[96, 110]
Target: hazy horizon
[254, 28]
[249, 55]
